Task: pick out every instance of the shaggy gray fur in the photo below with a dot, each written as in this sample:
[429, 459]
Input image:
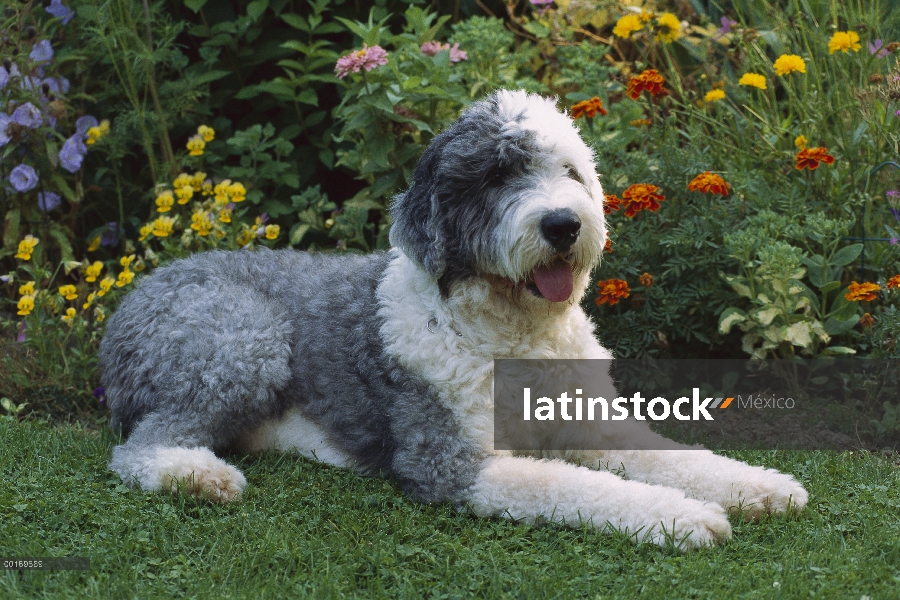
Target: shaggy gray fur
[465, 182]
[206, 348]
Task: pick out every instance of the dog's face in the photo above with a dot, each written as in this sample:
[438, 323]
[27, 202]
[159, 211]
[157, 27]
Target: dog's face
[508, 194]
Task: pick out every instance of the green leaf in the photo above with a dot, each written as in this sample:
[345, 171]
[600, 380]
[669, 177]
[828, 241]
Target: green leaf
[296, 21]
[308, 96]
[63, 187]
[11, 228]
[256, 9]
[194, 5]
[728, 319]
[62, 240]
[838, 350]
[832, 285]
[846, 255]
[837, 327]
[766, 315]
[842, 308]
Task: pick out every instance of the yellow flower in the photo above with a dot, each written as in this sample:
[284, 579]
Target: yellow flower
[184, 193]
[93, 244]
[221, 191]
[800, 142]
[197, 180]
[164, 201]
[844, 41]
[272, 231]
[201, 223]
[627, 25]
[105, 285]
[26, 247]
[753, 80]
[104, 126]
[127, 260]
[237, 192]
[207, 133]
[669, 28]
[225, 215]
[25, 305]
[69, 292]
[714, 95]
[92, 272]
[27, 289]
[207, 188]
[182, 180]
[146, 230]
[125, 277]
[788, 63]
[70, 314]
[246, 237]
[196, 145]
[100, 314]
[90, 300]
[139, 265]
[93, 134]
[162, 226]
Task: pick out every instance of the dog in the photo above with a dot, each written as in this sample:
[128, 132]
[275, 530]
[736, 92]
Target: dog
[383, 363]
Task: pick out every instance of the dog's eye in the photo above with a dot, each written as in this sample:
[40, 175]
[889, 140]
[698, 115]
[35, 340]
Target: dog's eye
[495, 177]
[573, 173]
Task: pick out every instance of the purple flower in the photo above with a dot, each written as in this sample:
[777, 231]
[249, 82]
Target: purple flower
[41, 52]
[894, 241]
[892, 193]
[896, 213]
[60, 11]
[72, 153]
[727, 24]
[4, 126]
[23, 178]
[110, 237]
[100, 394]
[876, 48]
[367, 58]
[28, 115]
[21, 337]
[47, 201]
[56, 85]
[433, 47]
[4, 77]
[84, 123]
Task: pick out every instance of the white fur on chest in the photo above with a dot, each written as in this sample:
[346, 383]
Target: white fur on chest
[452, 343]
[294, 432]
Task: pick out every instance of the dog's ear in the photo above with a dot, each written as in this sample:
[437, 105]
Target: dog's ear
[417, 224]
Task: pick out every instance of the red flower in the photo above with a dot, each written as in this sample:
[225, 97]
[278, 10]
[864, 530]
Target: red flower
[611, 203]
[893, 282]
[611, 290]
[646, 280]
[608, 246]
[589, 108]
[809, 158]
[866, 321]
[649, 80]
[709, 183]
[862, 291]
[641, 196]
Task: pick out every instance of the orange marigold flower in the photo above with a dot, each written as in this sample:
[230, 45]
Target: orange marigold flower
[641, 123]
[589, 108]
[611, 203]
[611, 290]
[862, 291]
[646, 280]
[607, 247]
[649, 80]
[866, 320]
[809, 158]
[641, 196]
[893, 282]
[709, 183]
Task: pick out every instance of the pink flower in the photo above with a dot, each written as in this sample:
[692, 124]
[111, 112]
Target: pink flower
[367, 58]
[433, 47]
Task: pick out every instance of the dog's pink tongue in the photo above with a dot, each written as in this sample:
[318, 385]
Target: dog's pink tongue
[554, 281]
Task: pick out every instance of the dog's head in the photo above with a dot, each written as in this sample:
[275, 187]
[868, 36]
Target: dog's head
[508, 193]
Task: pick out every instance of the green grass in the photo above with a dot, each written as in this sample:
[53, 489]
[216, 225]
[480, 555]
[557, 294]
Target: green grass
[307, 530]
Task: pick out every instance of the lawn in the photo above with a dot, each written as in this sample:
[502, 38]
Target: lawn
[308, 530]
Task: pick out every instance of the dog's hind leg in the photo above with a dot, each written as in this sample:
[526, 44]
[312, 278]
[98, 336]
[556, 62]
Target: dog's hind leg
[164, 453]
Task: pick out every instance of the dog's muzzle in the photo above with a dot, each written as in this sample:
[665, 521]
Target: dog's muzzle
[560, 228]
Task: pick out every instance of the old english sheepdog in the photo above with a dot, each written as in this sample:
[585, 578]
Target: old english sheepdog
[383, 363]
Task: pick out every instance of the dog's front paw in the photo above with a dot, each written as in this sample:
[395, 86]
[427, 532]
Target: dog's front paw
[199, 473]
[688, 524]
[767, 491]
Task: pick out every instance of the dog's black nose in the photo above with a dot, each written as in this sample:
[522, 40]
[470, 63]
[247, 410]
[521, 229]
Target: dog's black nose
[560, 227]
